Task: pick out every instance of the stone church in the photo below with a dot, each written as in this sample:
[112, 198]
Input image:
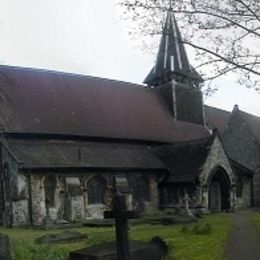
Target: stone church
[69, 141]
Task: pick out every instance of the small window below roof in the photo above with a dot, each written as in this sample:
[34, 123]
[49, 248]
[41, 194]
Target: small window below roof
[96, 189]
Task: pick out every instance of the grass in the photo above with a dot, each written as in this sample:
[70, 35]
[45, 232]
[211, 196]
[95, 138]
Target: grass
[182, 245]
[255, 218]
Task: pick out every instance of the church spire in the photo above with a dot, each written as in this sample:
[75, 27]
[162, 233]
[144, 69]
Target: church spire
[172, 60]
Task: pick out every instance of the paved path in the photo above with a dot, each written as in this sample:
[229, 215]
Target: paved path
[244, 242]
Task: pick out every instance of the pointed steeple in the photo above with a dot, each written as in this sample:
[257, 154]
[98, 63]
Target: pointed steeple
[172, 61]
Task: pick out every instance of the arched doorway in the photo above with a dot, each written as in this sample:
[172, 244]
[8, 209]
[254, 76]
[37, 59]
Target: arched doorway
[219, 191]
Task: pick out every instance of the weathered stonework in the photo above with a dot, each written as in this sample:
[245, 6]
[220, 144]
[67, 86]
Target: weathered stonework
[14, 198]
[20, 213]
[95, 211]
[37, 199]
[216, 159]
[77, 210]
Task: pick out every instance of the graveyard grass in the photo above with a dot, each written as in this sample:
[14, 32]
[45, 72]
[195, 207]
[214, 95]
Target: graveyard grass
[255, 217]
[182, 245]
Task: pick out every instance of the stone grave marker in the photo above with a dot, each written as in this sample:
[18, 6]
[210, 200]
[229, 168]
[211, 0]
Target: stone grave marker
[62, 237]
[4, 247]
[139, 250]
[187, 200]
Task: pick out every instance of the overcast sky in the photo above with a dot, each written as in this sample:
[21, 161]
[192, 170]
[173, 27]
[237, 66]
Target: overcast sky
[87, 37]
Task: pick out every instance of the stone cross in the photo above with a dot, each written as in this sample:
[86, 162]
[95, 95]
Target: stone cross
[121, 215]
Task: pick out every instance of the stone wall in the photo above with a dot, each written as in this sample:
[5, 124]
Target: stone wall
[74, 199]
[27, 204]
[20, 213]
[14, 210]
[37, 199]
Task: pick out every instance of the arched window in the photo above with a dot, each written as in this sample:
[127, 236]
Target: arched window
[50, 184]
[96, 189]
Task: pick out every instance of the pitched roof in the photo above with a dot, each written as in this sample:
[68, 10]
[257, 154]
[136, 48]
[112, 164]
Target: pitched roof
[240, 169]
[184, 160]
[253, 122]
[47, 102]
[216, 118]
[75, 154]
[172, 57]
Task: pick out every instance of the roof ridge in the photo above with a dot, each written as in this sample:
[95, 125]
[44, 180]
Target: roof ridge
[59, 72]
[217, 108]
[249, 114]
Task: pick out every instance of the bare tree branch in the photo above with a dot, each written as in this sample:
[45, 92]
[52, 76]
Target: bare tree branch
[241, 66]
[224, 35]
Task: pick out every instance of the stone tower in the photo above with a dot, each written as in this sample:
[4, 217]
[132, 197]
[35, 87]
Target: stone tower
[175, 78]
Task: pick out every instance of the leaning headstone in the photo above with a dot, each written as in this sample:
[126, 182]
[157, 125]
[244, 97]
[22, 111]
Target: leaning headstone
[4, 247]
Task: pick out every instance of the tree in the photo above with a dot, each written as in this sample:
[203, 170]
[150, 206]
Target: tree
[225, 34]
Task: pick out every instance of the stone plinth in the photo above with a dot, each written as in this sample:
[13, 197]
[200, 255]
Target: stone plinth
[4, 247]
[107, 251]
[65, 236]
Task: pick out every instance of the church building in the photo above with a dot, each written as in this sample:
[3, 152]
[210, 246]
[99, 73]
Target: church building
[68, 142]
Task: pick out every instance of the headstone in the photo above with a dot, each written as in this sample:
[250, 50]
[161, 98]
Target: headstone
[187, 200]
[139, 250]
[4, 247]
